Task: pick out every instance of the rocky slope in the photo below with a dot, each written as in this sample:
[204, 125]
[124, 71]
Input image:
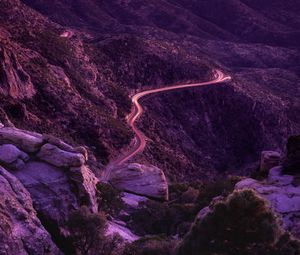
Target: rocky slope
[21, 231]
[281, 190]
[68, 69]
[118, 47]
[43, 181]
[282, 193]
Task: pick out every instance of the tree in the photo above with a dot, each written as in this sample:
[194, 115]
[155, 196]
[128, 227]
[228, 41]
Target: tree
[109, 199]
[241, 224]
[87, 233]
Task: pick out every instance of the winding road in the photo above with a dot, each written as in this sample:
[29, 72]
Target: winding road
[137, 110]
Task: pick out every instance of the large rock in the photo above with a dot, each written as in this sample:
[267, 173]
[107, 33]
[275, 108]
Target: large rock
[269, 159]
[132, 200]
[283, 196]
[10, 153]
[86, 182]
[12, 157]
[24, 140]
[142, 180]
[54, 175]
[50, 189]
[64, 146]
[21, 232]
[60, 158]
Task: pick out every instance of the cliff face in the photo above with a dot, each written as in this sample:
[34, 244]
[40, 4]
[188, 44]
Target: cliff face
[79, 79]
[44, 179]
[21, 230]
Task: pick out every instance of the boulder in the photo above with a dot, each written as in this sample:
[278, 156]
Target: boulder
[26, 141]
[12, 157]
[115, 227]
[276, 177]
[51, 191]
[148, 181]
[283, 196]
[132, 200]
[269, 159]
[60, 158]
[21, 231]
[86, 182]
[64, 146]
[57, 142]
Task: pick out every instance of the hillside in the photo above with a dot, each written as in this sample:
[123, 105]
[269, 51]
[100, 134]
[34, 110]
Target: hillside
[78, 87]
[160, 127]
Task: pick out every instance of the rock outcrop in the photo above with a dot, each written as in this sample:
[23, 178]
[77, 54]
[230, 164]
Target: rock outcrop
[50, 190]
[21, 231]
[14, 81]
[55, 175]
[269, 159]
[27, 141]
[12, 157]
[60, 158]
[142, 180]
[283, 195]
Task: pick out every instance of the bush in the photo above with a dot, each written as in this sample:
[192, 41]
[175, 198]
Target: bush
[176, 216]
[87, 233]
[208, 191]
[150, 246]
[242, 224]
[287, 245]
[109, 199]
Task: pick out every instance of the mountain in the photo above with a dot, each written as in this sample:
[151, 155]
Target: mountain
[73, 79]
[78, 87]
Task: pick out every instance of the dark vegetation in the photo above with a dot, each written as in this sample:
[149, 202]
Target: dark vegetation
[121, 47]
[141, 44]
[292, 162]
[109, 199]
[151, 246]
[87, 233]
[176, 216]
[241, 224]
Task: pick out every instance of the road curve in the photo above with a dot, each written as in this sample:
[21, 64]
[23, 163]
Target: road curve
[137, 110]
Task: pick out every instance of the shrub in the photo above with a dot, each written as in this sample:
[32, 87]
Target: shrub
[176, 216]
[109, 199]
[208, 191]
[150, 246]
[287, 245]
[242, 224]
[87, 233]
[53, 47]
